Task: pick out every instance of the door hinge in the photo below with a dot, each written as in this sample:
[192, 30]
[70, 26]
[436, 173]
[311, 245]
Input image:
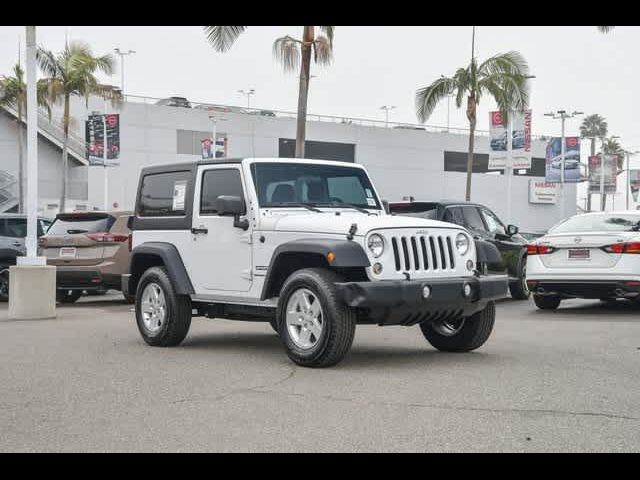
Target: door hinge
[246, 274]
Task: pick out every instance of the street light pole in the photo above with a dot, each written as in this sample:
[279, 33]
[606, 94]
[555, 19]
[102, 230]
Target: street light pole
[248, 94]
[122, 55]
[31, 242]
[387, 109]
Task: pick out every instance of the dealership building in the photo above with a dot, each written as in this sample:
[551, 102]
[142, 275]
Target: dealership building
[404, 161]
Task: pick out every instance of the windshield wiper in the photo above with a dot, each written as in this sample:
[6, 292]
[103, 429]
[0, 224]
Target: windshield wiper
[293, 204]
[347, 205]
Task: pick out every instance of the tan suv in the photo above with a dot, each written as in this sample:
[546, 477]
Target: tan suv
[90, 250]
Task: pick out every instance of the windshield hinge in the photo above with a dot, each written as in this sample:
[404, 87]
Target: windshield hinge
[352, 231]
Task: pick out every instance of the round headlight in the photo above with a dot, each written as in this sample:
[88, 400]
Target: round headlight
[376, 245]
[462, 243]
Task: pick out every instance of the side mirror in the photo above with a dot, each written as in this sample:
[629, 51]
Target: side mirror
[512, 230]
[230, 205]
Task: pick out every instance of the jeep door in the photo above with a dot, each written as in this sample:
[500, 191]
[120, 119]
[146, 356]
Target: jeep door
[219, 257]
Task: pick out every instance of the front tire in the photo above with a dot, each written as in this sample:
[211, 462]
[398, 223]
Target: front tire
[4, 286]
[315, 327]
[68, 296]
[519, 290]
[547, 302]
[462, 335]
[163, 317]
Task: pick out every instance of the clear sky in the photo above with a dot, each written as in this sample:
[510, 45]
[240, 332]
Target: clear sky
[577, 68]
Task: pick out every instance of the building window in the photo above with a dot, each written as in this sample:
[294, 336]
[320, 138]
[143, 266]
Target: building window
[345, 152]
[457, 162]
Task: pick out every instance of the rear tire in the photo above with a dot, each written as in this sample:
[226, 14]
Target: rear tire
[519, 290]
[68, 296]
[472, 334]
[4, 286]
[316, 328]
[547, 302]
[163, 317]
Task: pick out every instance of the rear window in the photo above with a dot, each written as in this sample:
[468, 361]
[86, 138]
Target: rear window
[599, 223]
[418, 210]
[70, 224]
[163, 194]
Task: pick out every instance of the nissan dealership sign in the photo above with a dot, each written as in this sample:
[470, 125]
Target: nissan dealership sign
[543, 192]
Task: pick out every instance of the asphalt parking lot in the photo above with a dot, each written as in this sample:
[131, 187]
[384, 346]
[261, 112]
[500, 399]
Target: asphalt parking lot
[545, 381]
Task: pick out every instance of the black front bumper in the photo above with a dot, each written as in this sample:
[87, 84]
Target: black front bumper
[402, 302]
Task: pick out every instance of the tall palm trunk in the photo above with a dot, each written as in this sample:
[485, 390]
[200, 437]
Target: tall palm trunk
[63, 195]
[20, 161]
[471, 115]
[593, 153]
[303, 92]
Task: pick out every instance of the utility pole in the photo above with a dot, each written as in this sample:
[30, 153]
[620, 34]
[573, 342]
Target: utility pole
[387, 109]
[562, 115]
[122, 55]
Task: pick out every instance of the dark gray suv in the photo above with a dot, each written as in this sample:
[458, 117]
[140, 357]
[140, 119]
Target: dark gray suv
[13, 230]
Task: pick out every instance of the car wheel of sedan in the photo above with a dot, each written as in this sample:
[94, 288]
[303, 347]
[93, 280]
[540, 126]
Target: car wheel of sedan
[519, 290]
[68, 296]
[463, 334]
[316, 328]
[547, 302]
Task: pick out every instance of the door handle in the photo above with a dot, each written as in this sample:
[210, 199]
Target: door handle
[195, 230]
[17, 244]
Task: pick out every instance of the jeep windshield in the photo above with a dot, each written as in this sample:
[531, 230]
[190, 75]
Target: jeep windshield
[326, 186]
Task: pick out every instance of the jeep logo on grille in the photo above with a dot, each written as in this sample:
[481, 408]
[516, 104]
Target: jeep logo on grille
[422, 232]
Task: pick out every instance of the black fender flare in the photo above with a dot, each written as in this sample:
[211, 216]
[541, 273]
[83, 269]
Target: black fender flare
[171, 260]
[487, 252]
[348, 254]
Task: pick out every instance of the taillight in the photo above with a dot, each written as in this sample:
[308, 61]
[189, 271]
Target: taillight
[104, 237]
[631, 247]
[534, 249]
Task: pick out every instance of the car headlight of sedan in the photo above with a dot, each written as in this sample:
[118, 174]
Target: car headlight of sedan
[462, 243]
[376, 245]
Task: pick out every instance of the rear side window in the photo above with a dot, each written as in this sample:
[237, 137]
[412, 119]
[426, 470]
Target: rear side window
[163, 194]
[13, 227]
[216, 183]
[72, 224]
[472, 218]
[454, 215]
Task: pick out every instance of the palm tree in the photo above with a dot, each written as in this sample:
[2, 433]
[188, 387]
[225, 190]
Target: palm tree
[593, 126]
[613, 147]
[291, 53]
[503, 77]
[72, 73]
[13, 93]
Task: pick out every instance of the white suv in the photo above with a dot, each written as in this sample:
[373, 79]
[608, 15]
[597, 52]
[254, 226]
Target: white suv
[307, 246]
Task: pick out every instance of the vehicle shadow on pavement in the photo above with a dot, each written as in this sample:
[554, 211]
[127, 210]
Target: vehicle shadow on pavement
[619, 311]
[267, 342]
[374, 358]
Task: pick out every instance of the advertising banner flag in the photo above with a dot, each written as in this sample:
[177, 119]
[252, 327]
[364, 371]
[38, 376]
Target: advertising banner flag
[97, 129]
[520, 140]
[634, 183]
[572, 166]
[610, 170]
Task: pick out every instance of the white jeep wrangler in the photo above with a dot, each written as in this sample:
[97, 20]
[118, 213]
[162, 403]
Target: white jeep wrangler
[307, 246]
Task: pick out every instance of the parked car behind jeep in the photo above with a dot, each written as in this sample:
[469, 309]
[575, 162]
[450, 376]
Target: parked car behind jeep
[90, 251]
[483, 224]
[13, 230]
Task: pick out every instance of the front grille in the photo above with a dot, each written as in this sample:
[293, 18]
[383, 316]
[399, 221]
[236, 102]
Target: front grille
[423, 253]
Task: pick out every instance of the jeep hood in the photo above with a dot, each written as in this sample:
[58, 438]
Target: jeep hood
[329, 223]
